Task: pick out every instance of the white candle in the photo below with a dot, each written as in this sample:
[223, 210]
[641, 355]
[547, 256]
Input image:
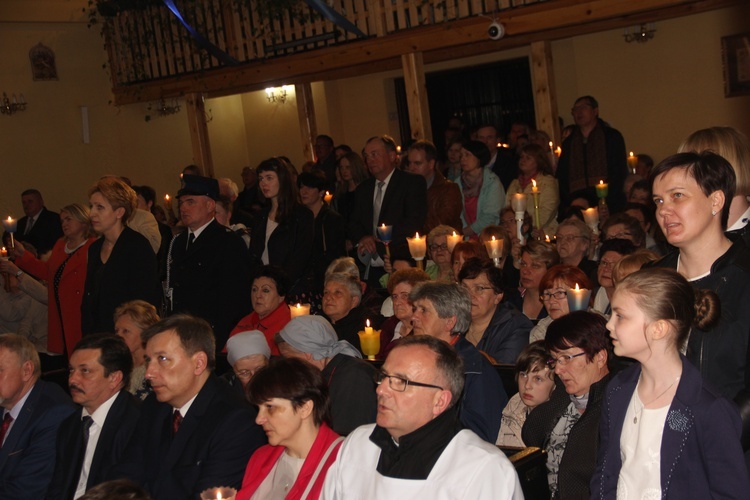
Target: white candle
[300, 310]
[10, 224]
[417, 247]
[518, 202]
[578, 298]
[453, 240]
[494, 248]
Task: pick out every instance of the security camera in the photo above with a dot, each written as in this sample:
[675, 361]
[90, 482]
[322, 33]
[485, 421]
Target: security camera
[496, 31]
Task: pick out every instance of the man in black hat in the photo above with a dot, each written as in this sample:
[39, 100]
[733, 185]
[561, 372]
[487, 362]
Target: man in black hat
[209, 273]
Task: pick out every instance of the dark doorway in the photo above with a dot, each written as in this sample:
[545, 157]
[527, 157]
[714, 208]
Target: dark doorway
[498, 93]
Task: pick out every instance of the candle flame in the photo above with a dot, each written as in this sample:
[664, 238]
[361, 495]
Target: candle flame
[546, 238]
[299, 306]
[493, 238]
[218, 495]
[166, 197]
[577, 289]
[417, 236]
[631, 154]
[601, 181]
[550, 144]
[454, 234]
[367, 323]
[533, 182]
[10, 218]
[383, 226]
[3, 249]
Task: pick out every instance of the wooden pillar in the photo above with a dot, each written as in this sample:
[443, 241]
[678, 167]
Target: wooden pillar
[196, 112]
[306, 113]
[545, 96]
[416, 96]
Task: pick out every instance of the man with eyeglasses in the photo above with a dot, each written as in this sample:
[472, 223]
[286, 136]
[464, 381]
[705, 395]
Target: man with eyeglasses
[573, 240]
[594, 151]
[443, 310]
[417, 449]
[611, 252]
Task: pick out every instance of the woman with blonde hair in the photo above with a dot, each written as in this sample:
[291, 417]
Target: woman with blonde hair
[131, 318]
[121, 264]
[65, 274]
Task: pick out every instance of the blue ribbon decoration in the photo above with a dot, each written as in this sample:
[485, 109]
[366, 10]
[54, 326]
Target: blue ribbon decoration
[318, 5]
[200, 39]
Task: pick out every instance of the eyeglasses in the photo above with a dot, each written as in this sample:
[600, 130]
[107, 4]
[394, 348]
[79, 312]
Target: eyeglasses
[244, 373]
[607, 263]
[399, 384]
[435, 248]
[477, 289]
[621, 235]
[563, 359]
[559, 295]
[569, 238]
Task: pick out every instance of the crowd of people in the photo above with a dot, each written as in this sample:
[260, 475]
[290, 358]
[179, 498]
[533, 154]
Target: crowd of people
[229, 344]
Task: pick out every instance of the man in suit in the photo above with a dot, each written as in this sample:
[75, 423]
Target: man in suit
[444, 202]
[390, 197]
[194, 431]
[91, 441]
[40, 227]
[32, 413]
[326, 160]
[209, 268]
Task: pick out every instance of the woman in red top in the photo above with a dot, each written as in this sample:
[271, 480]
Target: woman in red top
[270, 312]
[292, 399]
[65, 274]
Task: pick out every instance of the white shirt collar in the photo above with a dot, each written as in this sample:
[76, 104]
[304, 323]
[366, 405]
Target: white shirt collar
[184, 409]
[100, 414]
[198, 231]
[741, 222]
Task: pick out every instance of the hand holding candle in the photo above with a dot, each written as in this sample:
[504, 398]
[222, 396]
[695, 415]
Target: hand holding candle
[385, 235]
[369, 339]
[11, 226]
[632, 162]
[328, 197]
[578, 298]
[417, 249]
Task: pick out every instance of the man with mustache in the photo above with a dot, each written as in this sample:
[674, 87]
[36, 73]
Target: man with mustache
[91, 440]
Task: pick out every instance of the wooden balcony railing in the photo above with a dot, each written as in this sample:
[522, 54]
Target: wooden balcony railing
[148, 43]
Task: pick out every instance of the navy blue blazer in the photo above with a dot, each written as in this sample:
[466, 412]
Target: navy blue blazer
[701, 456]
[211, 448]
[44, 234]
[27, 457]
[114, 438]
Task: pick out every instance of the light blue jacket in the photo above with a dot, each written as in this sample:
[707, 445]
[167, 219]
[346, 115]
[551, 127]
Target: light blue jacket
[491, 200]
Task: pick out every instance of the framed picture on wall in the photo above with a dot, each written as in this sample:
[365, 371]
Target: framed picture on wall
[735, 51]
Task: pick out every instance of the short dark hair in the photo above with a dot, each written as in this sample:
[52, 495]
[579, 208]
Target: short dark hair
[387, 140]
[618, 245]
[534, 355]
[31, 191]
[475, 266]
[631, 224]
[146, 192]
[590, 101]
[448, 363]
[195, 335]
[325, 138]
[293, 379]
[315, 179]
[582, 329]
[711, 171]
[114, 354]
[430, 152]
[118, 489]
[278, 275]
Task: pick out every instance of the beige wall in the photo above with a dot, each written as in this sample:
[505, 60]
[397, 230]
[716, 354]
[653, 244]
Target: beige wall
[655, 93]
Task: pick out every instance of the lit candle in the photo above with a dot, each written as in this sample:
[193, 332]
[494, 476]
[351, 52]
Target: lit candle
[4, 254]
[518, 202]
[369, 339]
[546, 238]
[219, 493]
[300, 310]
[328, 197]
[551, 146]
[535, 194]
[558, 151]
[578, 298]
[10, 225]
[453, 240]
[591, 216]
[417, 249]
[632, 162]
[499, 144]
[494, 248]
[385, 233]
[168, 202]
[398, 149]
[602, 189]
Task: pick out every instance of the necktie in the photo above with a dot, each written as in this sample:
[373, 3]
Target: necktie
[86, 423]
[85, 426]
[7, 419]
[176, 421]
[191, 239]
[376, 207]
[29, 225]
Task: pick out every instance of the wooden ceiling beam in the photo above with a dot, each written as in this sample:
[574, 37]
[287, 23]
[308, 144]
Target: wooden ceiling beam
[546, 21]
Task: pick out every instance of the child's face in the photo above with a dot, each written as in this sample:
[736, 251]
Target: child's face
[627, 327]
[535, 385]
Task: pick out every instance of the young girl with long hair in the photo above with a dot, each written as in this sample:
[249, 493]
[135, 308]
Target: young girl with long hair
[665, 433]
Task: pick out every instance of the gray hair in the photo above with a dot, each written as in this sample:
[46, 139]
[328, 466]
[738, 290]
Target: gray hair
[449, 364]
[351, 283]
[345, 265]
[448, 299]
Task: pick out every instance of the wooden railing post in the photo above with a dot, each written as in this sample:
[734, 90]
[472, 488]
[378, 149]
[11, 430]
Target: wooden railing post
[545, 95]
[306, 113]
[196, 112]
[416, 96]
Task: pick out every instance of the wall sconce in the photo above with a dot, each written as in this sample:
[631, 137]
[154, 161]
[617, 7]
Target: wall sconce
[277, 94]
[640, 34]
[10, 106]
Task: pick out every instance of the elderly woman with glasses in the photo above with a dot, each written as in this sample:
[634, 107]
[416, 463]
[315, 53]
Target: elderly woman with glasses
[497, 328]
[554, 286]
[536, 259]
[610, 254]
[567, 425]
[247, 352]
[440, 266]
